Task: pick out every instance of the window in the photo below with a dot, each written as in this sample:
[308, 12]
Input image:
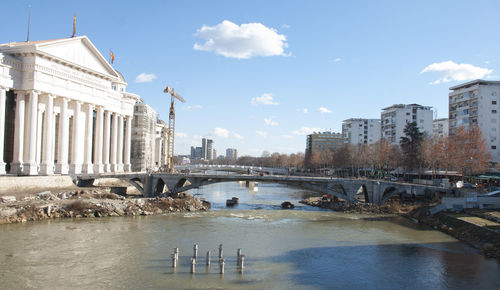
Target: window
[493, 102]
[494, 147]
[493, 111]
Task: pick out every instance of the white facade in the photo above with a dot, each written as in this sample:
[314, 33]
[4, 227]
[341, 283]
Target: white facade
[361, 131]
[394, 119]
[476, 102]
[440, 128]
[63, 109]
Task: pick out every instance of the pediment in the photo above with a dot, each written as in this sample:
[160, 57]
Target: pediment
[79, 51]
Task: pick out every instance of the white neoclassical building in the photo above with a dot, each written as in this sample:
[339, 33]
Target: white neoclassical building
[63, 109]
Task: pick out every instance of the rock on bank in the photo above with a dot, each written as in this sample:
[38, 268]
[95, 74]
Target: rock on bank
[91, 203]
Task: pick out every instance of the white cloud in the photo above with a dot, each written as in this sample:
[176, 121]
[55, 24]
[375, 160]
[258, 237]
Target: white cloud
[338, 59]
[181, 135]
[241, 41]
[190, 108]
[225, 133]
[261, 133]
[304, 110]
[238, 136]
[286, 136]
[307, 131]
[270, 122]
[265, 99]
[451, 71]
[286, 26]
[324, 110]
[221, 132]
[145, 78]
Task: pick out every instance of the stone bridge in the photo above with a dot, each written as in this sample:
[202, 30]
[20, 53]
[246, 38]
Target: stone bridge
[374, 191]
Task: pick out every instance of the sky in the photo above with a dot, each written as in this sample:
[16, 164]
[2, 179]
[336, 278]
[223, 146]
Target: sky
[261, 75]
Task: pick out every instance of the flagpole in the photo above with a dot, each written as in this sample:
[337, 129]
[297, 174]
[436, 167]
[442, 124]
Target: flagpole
[29, 20]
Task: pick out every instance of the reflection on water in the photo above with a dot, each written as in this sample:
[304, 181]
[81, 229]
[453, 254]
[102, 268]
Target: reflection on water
[304, 248]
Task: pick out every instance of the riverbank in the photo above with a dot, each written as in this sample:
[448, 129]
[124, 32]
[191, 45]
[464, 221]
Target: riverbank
[468, 226]
[90, 203]
[473, 227]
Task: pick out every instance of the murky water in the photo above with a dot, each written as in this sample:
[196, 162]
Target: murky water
[304, 248]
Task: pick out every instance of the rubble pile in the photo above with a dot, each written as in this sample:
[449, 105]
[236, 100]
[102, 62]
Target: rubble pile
[91, 203]
[335, 204]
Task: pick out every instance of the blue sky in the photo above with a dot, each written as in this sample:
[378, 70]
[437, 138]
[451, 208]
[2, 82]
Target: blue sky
[259, 75]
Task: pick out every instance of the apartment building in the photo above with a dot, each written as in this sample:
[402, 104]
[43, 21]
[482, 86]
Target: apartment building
[361, 131]
[394, 119]
[476, 103]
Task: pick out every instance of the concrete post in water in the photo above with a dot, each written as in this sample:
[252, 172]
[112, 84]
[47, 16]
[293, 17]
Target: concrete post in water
[193, 265]
[221, 254]
[195, 252]
[238, 255]
[222, 266]
[242, 263]
[176, 252]
[174, 260]
[208, 258]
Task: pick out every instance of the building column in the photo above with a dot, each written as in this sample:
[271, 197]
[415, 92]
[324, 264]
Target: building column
[88, 167]
[128, 135]
[114, 143]
[39, 130]
[63, 146]
[17, 163]
[76, 152]
[2, 128]
[107, 128]
[98, 167]
[47, 166]
[119, 151]
[30, 167]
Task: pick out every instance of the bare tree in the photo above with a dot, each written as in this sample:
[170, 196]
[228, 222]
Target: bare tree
[471, 155]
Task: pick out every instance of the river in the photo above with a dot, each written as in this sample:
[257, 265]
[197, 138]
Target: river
[303, 248]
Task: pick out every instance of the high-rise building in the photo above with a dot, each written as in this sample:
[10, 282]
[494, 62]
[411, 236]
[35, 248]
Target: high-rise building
[476, 103]
[320, 141]
[394, 119]
[231, 153]
[196, 152]
[361, 131]
[207, 149]
[440, 127]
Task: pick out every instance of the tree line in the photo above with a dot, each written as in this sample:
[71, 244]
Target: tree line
[465, 151]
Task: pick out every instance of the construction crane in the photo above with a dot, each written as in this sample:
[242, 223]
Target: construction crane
[171, 128]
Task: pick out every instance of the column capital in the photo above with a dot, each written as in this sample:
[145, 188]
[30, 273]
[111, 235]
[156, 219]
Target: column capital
[89, 105]
[48, 95]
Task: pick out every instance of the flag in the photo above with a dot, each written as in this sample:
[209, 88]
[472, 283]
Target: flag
[74, 25]
[112, 56]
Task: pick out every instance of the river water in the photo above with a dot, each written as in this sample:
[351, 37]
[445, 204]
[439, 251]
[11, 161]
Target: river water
[304, 248]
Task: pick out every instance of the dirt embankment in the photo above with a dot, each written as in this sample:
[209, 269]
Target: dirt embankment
[90, 203]
[483, 238]
[456, 225]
